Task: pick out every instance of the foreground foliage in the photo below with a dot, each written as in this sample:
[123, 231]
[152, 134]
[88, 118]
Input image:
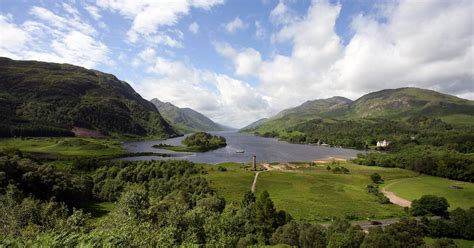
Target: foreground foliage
[167, 204]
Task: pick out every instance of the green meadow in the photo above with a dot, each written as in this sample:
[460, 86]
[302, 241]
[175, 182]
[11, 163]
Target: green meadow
[313, 194]
[230, 184]
[86, 147]
[459, 194]
[461, 243]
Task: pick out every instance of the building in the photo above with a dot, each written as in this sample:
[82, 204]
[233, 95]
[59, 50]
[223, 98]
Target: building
[383, 143]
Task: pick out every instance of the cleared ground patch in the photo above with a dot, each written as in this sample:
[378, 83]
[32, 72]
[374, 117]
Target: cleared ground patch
[459, 194]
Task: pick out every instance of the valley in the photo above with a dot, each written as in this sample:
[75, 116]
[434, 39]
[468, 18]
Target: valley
[109, 161]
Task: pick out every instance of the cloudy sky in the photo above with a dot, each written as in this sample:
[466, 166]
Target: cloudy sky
[240, 60]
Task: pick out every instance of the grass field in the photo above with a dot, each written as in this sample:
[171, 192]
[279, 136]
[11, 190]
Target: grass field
[65, 146]
[312, 194]
[461, 243]
[459, 119]
[414, 188]
[230, 184]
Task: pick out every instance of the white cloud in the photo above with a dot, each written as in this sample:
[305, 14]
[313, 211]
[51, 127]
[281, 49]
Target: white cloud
[55, 38]
[193, 27]
[426, 44]
[260, 32]
[148, 54]
[93, 11]
[61, 23]
[282, 14]
[213, 94]
[234, 25]
[71, 10]
[13, 37]
[149, 17]
[247, 62]
[165, 39]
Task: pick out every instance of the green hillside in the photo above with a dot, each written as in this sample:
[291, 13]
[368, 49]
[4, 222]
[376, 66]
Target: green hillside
[394, 104]
[409, 102]
[254, 124]
[316, 109]
[185, 119]
[49, 99]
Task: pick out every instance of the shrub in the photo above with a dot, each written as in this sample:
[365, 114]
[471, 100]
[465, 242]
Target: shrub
[376, 178]
[429, 204]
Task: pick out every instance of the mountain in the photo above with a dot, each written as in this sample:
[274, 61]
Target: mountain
[50, 99]
[321, 107]
[390, 103]
[254, 124]
[309, 110]
[186, 119]
[402, 102]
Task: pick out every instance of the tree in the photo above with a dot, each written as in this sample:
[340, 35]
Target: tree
[134, 202]
[266, 216]
[463, 222]
[376, 178]
[287, 234]
[342, 234]
[249, 198]
[407, 233]
[312, 236]
[377, 238]
[301, 235]
[429, 204]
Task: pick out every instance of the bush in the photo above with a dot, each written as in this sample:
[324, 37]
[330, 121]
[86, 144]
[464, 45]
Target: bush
[374, 190]
[429, 204]
[376, 178]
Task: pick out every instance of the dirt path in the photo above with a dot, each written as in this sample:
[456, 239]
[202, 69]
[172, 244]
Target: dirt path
[255, 182]
[396, 199]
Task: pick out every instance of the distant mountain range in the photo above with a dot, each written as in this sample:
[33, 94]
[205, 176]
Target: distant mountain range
[391, 103]
[186, 120]
[51, 99]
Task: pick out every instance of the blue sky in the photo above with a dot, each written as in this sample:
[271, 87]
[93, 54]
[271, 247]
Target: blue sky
[238, 61]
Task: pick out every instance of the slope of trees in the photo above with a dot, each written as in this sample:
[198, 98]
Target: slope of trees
[48, 99]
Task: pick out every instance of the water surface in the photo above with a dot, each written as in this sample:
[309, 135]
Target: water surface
[266, 150]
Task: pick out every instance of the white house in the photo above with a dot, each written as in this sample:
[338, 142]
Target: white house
[383, 143]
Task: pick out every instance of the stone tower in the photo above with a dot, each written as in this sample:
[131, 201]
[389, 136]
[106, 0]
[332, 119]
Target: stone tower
[254, 165]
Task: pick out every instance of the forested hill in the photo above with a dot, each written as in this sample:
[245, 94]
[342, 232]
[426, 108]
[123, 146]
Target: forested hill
[186, 119]
[394, 104]
[50, 99]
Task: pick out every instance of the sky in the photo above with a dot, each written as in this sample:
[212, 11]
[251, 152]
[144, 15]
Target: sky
[237, 61]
